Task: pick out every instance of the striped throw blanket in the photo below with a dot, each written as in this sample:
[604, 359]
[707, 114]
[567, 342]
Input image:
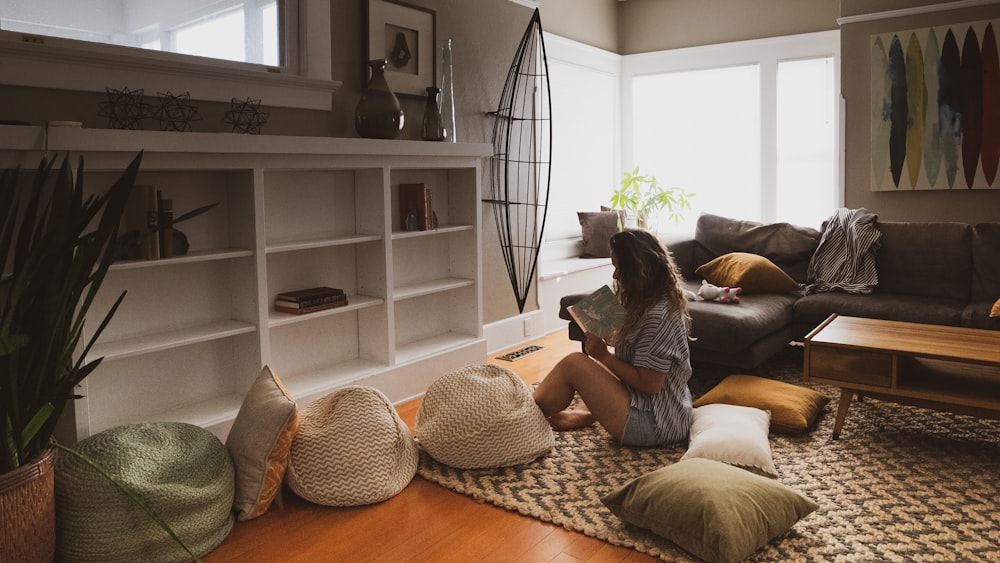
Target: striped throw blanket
[845, 258]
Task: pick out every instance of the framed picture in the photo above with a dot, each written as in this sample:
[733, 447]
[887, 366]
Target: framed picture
[403, 35]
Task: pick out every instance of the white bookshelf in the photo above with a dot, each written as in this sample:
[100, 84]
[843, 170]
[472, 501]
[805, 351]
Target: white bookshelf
[194, 330]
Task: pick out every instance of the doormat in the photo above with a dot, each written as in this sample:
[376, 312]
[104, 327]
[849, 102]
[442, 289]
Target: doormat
[518, 354]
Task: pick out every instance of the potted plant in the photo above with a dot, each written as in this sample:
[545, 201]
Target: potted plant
[56, 245]
[641, 196]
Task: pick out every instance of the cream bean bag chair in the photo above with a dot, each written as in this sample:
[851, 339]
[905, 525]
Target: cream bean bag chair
[482, 416]
[351, 449]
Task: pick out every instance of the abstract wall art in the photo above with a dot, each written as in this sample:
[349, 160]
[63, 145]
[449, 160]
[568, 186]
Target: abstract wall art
[935, 108]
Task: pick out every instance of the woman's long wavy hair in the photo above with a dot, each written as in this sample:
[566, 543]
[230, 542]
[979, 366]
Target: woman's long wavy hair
[646, 272]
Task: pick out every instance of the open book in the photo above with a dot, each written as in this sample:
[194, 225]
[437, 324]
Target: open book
[599, 313]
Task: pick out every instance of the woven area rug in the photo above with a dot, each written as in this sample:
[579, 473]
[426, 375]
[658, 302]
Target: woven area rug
[901, 483]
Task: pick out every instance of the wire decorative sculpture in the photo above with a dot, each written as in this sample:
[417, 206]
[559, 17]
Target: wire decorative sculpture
[521, 163]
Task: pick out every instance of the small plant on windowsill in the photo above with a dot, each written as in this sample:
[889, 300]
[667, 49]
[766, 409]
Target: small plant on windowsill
[641, 197]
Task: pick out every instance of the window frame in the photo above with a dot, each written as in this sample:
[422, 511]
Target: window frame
[766, 53]
[302, 81]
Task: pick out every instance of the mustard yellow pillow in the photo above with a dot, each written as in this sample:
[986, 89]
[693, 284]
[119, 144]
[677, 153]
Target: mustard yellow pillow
[793, 408]
[752, 272]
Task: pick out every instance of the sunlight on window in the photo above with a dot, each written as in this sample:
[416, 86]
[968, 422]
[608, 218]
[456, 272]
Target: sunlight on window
[202, 38]
[269, 14]
[700, 130]
[806, 141]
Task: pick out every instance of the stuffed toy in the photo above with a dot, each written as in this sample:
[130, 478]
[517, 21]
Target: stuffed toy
[995, 311]
[711, 292]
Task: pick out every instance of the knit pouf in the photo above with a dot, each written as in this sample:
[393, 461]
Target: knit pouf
[482, 416]
[352, 448]
[180, 470]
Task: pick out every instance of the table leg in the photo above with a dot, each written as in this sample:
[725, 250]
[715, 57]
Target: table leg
[846, 396]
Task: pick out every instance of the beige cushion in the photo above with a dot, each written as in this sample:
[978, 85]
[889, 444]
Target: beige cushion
[352, 448]
[259, 442]
[596, 229]
[751, 272]
[732, 434]
[713, 510]
[793, 408]
[482, 416]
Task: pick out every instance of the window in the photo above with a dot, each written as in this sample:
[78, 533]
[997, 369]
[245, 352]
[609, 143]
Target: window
[159, 46]
[584, 84]
[751, 128]
[233, 30]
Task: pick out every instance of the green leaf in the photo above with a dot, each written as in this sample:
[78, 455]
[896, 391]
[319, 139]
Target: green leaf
[35, 424]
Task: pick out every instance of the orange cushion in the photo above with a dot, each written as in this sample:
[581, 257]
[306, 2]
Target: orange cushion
[751, 272]
[995, 311]
[259, 443]
[793, 408]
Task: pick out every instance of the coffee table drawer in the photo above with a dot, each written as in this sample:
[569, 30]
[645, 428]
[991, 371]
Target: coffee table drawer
[851, 366]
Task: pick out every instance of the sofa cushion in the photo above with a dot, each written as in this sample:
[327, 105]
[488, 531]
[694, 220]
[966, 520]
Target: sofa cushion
[596, 228]
[814, 309]
[925, 259]
[986, 261]
[729, 328]
[751, 272]
[789, 246]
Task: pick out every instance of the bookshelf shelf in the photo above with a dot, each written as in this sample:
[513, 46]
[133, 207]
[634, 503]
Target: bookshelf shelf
[128, 347]
[291, 212]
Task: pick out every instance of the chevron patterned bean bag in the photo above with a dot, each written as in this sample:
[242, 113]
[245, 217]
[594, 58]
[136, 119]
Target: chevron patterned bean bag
[351, 449]
[482, 416]
[181, 470]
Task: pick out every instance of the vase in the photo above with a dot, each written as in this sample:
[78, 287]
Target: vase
[447, 88]
[378, 114]
[432, 129]
[28, 511]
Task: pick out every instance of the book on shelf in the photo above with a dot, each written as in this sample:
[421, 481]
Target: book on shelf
[306, 303]
[415, 210]
[165, 208]
[599, 313]
[312, 309]
[306, 294]
[142, 218]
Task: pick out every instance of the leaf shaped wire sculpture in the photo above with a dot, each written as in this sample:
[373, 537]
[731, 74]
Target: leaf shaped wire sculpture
[521, 163]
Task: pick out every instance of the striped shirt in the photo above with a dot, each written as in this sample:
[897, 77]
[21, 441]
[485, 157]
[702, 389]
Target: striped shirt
[661, 344]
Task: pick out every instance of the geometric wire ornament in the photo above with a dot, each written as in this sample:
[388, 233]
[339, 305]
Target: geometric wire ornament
[521, 163]
[175, 112]
[246, 116]
[124, 108]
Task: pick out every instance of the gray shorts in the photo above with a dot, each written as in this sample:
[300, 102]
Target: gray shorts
[640, 429]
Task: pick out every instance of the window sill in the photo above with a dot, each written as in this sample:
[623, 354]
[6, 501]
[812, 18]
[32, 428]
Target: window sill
[59, 67]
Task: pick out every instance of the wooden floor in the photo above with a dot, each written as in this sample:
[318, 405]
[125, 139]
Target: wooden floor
[425, 522]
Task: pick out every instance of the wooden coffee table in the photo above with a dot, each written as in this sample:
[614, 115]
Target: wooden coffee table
[940, 367]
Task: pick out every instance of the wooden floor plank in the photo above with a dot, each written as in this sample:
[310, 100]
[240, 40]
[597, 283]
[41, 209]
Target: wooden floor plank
[424, 522]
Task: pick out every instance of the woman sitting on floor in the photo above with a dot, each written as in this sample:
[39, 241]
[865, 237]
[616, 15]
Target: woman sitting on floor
[639, 392]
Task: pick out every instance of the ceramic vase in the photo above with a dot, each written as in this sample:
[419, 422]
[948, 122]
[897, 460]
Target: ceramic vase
[432, 130]
[378, 114]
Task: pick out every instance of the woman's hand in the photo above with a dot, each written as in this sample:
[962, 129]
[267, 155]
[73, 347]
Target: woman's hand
[596, 348]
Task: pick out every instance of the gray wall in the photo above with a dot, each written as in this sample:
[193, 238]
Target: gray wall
[486, 33]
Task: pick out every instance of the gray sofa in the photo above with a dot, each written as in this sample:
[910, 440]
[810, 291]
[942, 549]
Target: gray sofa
[936, 272]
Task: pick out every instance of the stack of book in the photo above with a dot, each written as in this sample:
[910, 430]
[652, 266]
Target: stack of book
[309, 300]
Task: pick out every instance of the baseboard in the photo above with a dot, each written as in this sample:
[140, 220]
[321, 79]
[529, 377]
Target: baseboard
[512, 331]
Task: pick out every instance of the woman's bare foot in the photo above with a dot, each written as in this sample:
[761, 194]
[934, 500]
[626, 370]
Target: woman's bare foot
[571, 419]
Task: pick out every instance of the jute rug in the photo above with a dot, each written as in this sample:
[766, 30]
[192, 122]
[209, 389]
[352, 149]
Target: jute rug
[901, 483]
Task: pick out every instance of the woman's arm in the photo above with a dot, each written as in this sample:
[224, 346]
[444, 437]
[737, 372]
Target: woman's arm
[643, 380]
